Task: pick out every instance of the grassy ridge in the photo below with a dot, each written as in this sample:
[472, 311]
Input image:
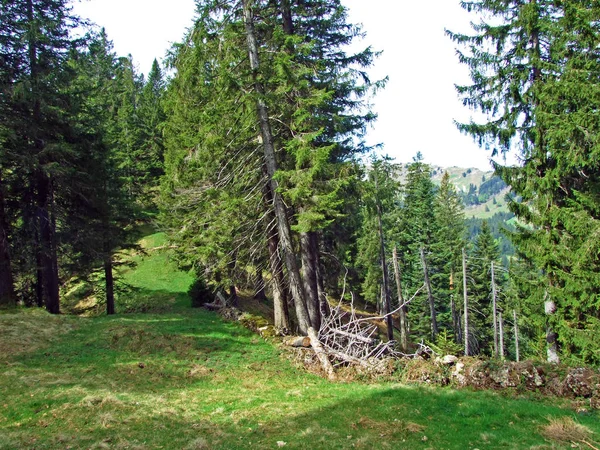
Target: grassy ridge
[185, 379]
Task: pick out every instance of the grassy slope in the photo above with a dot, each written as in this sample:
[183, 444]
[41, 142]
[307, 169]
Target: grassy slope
[475, 177]
[185, 379]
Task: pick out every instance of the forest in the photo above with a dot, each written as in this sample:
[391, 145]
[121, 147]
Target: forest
[247, 149]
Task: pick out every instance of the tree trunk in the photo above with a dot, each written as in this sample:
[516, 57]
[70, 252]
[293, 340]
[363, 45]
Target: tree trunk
[48, 258]
[501, 335]
[321, 354]
[286, 14]
[323, 303]
[401, 305]
[7, 291]
[551, 336]
[309, 249]
[466, 298]
[494, 311]
[516, 331]
[109, 280]
[280, 305]
[283, 225]
[386, 300]
[434, 325]
[40, 298]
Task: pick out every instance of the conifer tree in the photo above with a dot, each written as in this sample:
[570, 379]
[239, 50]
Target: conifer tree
[37, 115]
[531, 65]
[300, 76]
[485, 253]
[449, 240]
[415, 235]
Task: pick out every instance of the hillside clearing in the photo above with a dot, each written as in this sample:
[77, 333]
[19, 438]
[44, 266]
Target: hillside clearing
[186, 379]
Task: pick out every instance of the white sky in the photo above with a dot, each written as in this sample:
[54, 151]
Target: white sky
[418, 106]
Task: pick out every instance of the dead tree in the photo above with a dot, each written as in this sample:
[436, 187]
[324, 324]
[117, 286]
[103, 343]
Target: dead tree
[516, 331]
[434, 326]
[403, 309]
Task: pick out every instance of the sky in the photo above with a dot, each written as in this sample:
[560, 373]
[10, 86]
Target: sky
[416, 110]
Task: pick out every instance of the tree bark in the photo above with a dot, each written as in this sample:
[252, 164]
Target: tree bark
[434, 325]
[7, 290]
[402, 306]
[309, 247]
[281, 318]
[281, 216]
[280, 304]
[323, 303]
[321, 354]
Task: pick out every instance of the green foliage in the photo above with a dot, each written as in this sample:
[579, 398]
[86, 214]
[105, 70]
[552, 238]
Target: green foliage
[445, 344]
[534, 70]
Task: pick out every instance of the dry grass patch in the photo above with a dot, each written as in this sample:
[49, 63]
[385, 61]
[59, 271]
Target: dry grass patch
[29, 330]
[565, 429]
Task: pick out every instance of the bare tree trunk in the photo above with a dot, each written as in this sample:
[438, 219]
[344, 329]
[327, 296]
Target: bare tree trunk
[434, 325]
[323, 303]
[280, 305]
[385, 288]
[501, 334]
[280, 296]
[283, 225]
[402, 306]
[516, 330]
[309, 249]
[494, 311]
[466, 298]
[7, 291]
[321, 354]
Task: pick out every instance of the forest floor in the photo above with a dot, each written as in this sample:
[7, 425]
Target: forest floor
[181, 378]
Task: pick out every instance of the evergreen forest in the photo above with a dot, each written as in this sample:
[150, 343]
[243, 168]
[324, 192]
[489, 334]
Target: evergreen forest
[246, 150]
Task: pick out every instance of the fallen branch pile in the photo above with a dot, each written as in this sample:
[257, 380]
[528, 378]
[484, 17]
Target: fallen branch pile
[351, 339]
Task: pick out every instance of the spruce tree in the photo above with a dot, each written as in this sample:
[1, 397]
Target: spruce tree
[485, 253]
[449, 240]
[37, 114]
[301, 77]
[531, 65]
[415, 235]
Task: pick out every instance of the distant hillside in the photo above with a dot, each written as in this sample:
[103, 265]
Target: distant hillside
[482, 192]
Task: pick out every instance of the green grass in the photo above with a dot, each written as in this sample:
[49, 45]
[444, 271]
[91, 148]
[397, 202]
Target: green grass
[185, 379]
